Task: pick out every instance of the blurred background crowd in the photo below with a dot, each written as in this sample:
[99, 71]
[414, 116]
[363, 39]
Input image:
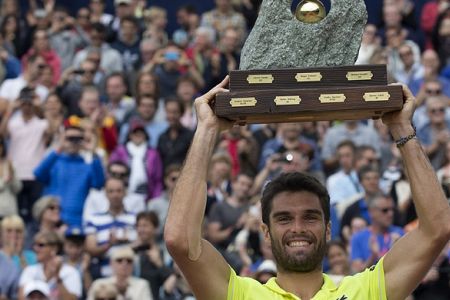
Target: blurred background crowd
[97, 115]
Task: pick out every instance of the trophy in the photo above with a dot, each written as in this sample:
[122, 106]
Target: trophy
[300, 67]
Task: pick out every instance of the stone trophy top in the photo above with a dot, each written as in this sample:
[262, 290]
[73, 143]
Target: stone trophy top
[280, 40]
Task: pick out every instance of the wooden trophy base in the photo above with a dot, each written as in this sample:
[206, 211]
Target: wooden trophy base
[314, 94]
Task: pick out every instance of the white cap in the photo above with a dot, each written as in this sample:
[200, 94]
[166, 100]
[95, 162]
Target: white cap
[36, 286]
[267, 266]
[118, 2]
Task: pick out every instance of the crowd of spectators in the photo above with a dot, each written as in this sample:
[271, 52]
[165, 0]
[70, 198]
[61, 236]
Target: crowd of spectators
[97, 117]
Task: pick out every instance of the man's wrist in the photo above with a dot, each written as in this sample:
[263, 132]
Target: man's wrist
[401, 130]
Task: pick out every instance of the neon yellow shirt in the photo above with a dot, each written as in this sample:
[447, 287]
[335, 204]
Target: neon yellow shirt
[367, 285]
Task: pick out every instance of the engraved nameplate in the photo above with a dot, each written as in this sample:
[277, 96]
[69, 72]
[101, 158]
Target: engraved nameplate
[332, 98]
[243, 102]
[376, 96]
[287, 100]
[308, 77]
[361, 75]
[260, 78]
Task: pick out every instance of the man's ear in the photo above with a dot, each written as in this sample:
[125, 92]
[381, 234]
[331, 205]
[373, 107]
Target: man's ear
[266, 232]
[328, 231]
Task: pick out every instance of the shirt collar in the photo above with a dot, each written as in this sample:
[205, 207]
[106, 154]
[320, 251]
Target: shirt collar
[328, 286]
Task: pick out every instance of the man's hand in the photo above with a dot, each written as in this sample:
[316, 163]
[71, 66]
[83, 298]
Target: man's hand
[399, 122]
[205, 114]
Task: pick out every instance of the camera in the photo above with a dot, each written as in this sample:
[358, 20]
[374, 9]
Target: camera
[172, 56]
[286, 158]
[75, 139]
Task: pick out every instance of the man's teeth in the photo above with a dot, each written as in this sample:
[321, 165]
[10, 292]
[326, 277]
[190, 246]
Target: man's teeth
[298, 244]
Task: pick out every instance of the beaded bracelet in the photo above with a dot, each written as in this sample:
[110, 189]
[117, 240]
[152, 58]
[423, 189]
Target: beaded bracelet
[403, 140]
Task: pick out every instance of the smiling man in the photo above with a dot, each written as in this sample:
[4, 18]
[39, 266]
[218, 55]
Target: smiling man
[296, 213]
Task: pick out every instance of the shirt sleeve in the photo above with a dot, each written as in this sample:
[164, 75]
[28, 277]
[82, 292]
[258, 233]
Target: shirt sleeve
[369, 283]
[71, 280]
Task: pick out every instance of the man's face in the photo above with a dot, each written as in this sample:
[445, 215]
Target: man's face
[115, 192]
[115, 89]
[73, 141]
[297, 232]
[145, 230]
[371, 182]
[346, 158]
[128, 30]
[89, 103]
[173, 113]
[147, 108]
[186, 91]
[242, 186]
[35, 68]
[406, 55]
[88, 70]
[436, 110]
[382, 213]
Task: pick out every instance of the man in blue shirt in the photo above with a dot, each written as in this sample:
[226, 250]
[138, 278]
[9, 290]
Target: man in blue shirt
[9, 277]
[372, 243]
[67, 174]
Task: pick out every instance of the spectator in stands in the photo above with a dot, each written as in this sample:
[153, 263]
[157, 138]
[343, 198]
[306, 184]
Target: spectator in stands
[63, 280]
[28, 136]
[74, 255]
[109, 230]
[65, 37]
[95, 118]
[13, 34]
[430, 12]
[10, 185]
[160, 205]
[369, 177]
[118, 103]
[10, 88]
[97, 202]
[144, 162]
[147, 105]
[435, 134]
[219, 179]
[169, 68]
[356, 131]
[128, 286]
[370, 244]
[431, 67]
[111, 60]
[155, 19]
[150, 260]
[411, 68]
[441, 37]
[70, 87]
[370, 42]
[224, 16]
[147, 53]
[36, 290]
[123, 8]
[8, 280]
[67, 175]
[344, 184]
[46, 218]
[186, 91]
[338, 258]
[54, 114]
[41, 46]
[188, 20]
[229, 57]
[13, 242]
[228, 217]
[176, 287]
[98, 14]
[174, 143]
[9, 64]
[127, 43]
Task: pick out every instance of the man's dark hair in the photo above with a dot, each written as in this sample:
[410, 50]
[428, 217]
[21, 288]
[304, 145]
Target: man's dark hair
[118, 163]
[120, 75]
[367, 169]
[99, 27]
[149, 96]
[189, 8]
[131, 19]
[294, 182]
[150, 216]
[174, 99]
[346, 143]
[62, 9]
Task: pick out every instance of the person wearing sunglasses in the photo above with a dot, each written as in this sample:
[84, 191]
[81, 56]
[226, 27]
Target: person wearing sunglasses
[373, 242]
[63, 280]
[435, 134]
[128, 286]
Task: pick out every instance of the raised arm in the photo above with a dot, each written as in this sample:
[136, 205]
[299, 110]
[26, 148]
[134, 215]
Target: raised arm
[412, 256]
[197, 258]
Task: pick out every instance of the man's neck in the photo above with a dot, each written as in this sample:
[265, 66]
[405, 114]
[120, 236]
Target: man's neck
[303, 285]
[115, 211]
[378, 229]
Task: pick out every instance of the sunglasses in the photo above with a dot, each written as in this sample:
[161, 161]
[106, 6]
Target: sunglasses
[121, 260]
[105, 298]
[53, 207]
[433, 92]
[437, 110]
[119, 175]
[74, 139]
[40, 245]
[16, 230]
[386, 210]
